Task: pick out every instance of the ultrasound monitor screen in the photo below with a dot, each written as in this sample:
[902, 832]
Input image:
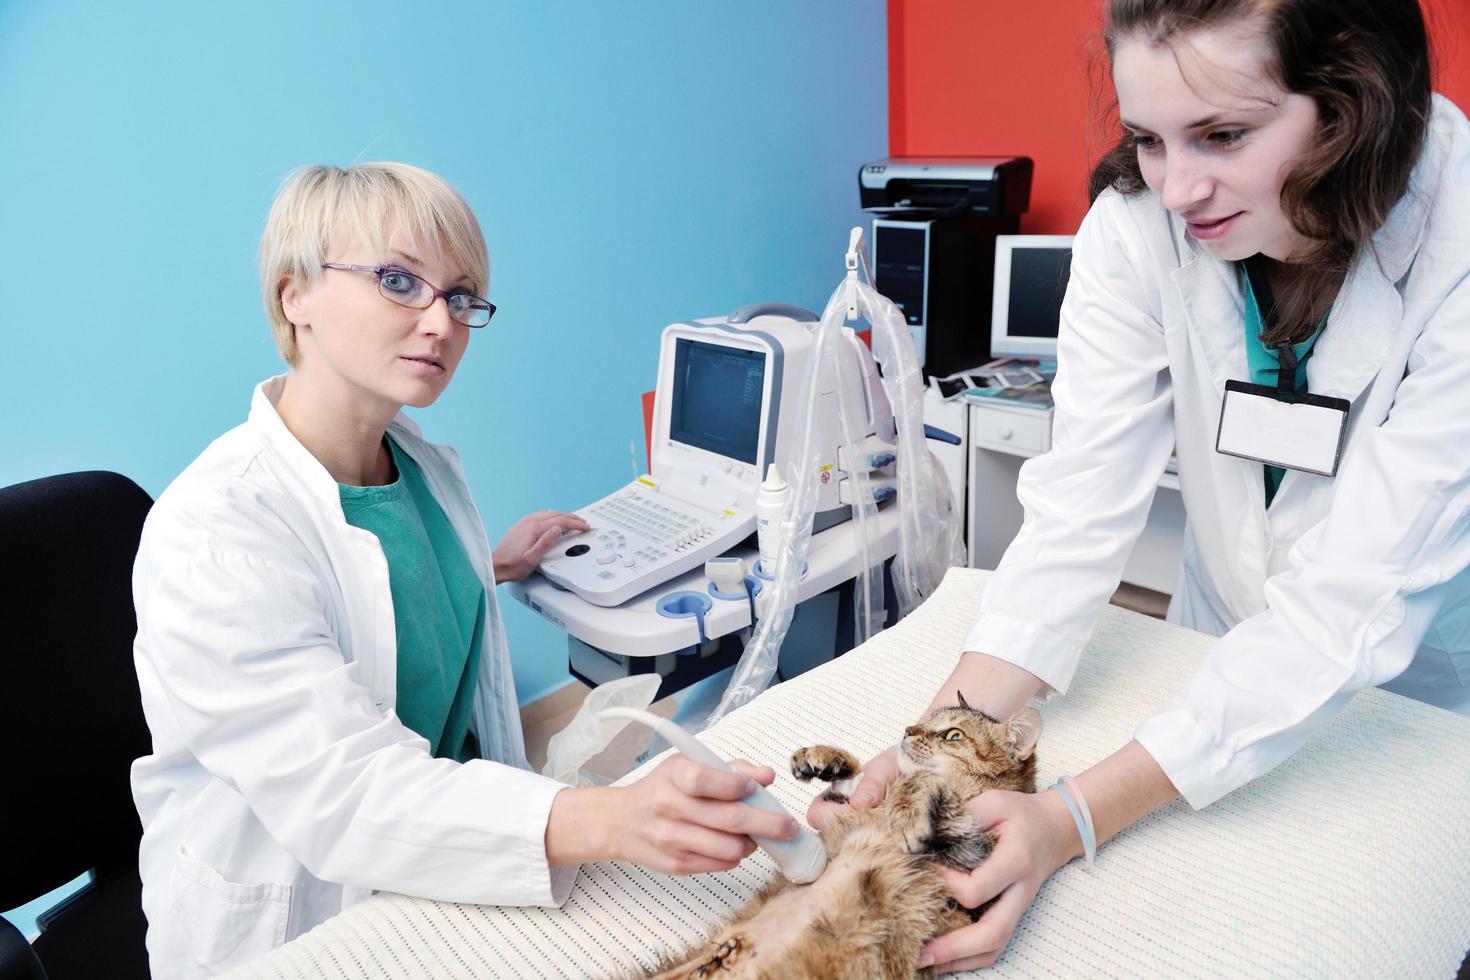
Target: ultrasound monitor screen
[1038, 283]
[716, 404]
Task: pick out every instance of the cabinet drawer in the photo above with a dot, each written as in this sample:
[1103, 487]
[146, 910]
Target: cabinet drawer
[1025, 434]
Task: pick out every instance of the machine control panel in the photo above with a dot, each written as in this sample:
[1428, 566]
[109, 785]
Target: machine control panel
[640, 538]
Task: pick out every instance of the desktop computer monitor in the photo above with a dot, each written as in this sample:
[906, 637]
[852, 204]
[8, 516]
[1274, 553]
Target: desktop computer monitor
[1031, 273]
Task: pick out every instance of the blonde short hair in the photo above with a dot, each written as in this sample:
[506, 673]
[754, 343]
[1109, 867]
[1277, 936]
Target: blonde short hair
[320, 208]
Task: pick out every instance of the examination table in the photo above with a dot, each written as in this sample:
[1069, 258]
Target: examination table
[1352, 859]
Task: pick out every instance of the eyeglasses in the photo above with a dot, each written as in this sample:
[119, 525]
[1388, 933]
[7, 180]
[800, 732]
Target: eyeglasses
[406, 289]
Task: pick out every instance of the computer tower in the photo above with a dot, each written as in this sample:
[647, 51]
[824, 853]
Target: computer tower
[939, 272]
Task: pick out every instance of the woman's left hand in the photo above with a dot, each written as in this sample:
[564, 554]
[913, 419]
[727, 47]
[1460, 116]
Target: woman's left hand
[528, 541]
[1034, 836]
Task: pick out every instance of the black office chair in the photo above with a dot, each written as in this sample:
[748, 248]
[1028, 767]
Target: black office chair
[72, 723]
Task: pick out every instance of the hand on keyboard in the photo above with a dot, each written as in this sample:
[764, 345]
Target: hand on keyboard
[528, 541]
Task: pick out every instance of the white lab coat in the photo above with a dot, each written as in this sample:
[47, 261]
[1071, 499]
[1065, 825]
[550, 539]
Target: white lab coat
[1344, 582]
[282, 787]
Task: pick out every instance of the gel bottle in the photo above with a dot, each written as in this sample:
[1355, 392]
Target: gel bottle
[771, 502]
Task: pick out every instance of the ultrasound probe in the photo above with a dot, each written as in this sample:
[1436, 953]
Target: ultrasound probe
[801, 859]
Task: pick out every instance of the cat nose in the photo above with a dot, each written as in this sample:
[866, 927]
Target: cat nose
[913, 730]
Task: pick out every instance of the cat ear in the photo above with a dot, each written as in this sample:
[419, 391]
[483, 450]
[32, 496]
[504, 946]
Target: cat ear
[963, 703]
[1022, 731]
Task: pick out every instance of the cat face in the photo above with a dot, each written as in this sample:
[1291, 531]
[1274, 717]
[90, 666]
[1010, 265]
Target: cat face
[963, 740]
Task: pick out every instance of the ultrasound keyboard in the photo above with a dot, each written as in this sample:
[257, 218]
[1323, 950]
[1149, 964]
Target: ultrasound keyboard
[640, 538]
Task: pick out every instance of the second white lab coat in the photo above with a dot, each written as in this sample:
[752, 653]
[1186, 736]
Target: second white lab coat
[1343, 582]
[282, 787]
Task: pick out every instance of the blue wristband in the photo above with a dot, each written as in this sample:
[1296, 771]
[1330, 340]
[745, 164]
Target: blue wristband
[1089, 842]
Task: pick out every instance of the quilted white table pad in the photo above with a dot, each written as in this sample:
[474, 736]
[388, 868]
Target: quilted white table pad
[1350, 860]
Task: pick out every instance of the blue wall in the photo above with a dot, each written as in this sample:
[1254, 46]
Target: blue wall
[632, 164]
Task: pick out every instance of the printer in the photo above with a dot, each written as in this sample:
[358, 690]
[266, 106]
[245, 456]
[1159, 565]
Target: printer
[934, 228]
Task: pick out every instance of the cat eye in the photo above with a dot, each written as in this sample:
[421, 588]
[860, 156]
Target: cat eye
[953, 735]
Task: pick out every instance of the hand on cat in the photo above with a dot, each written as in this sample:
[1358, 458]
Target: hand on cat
[685, 817]
[877, 776]
[528, 541]
[1034, 836]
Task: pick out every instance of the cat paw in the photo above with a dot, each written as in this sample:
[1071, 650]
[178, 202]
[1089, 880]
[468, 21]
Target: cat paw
[932, 820]
[962, 848]
[956, 838]
[915, 833]
[823, 762]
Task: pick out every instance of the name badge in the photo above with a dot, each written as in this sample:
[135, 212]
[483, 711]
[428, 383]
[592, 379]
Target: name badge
[1298, 432]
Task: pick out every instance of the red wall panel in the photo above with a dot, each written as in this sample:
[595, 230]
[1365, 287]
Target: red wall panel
[971, 77]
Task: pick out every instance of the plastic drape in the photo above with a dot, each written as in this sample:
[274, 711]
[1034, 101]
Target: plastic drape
[929, 536]
[931, 540]
[588, 733]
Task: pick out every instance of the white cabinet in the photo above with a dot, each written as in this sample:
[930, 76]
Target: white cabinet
[1000, 438]
[952, 417]
[1022, 431]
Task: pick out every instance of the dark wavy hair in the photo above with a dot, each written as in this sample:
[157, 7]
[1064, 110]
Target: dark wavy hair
[1366, 65]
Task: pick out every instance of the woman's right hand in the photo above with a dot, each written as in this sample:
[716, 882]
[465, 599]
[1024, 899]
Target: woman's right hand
[682, 818]
[877, 776]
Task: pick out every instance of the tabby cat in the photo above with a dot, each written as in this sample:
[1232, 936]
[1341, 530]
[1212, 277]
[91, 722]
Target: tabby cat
[880, 898]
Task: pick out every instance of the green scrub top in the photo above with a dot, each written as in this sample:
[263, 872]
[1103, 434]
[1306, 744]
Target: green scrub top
[1264, 364]
[438, 603]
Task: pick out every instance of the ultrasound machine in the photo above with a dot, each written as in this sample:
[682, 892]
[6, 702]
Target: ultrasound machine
[631, 593]
[724, 386]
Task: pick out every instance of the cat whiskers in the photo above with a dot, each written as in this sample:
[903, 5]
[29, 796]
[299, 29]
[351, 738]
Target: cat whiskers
[907, 764]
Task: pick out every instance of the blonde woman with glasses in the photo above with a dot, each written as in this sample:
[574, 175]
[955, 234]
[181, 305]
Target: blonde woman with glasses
[321, 658]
